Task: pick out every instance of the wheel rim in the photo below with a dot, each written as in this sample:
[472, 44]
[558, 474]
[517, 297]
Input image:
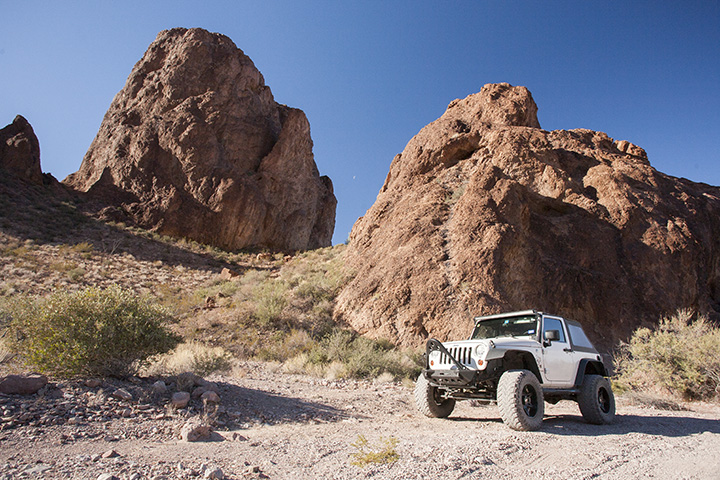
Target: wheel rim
[529, 401]
[604, 400]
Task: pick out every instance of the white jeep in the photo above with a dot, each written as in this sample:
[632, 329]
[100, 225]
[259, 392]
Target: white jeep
[518, 360]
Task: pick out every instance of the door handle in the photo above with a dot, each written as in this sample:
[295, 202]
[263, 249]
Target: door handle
[567, 350]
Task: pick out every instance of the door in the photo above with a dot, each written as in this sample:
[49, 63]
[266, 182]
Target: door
[559, 358]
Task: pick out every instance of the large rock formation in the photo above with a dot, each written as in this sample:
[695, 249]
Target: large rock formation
[195, 146]
[20, 151]
[485, 212]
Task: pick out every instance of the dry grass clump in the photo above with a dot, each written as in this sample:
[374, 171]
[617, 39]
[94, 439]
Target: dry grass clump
[344, 354]
[680, 357]
[191, 357]
[366, 454]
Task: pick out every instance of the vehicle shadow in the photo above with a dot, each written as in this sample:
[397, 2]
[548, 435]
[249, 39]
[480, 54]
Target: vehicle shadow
[676, 425]
[667, 426]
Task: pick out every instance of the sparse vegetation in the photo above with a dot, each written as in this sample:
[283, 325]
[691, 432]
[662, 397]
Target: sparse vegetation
[90, 332]
[366, 454]
[680, 357]
[191, 357]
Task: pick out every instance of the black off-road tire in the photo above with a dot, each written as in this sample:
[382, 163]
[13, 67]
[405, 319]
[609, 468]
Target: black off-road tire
[429, 402]
[520, 400]
[596, 400]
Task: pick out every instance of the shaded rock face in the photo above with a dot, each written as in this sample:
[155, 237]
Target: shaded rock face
[20, 151]
[484, 212]
[195, 146]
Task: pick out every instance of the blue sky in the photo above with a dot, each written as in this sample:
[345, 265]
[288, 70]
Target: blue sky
[370, 74]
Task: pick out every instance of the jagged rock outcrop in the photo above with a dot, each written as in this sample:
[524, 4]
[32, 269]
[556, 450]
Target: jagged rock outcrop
[485, 212]
[20, 151]
[195, 146]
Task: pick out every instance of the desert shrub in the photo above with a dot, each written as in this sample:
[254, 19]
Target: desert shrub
[287, 346]
[680, 356]
[350, 355]
[191, 357]
[90, 332]
[270, 300]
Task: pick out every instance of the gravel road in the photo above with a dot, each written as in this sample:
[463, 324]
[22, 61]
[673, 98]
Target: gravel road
[280, 426]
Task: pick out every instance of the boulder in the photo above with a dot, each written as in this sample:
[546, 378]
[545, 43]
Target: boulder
[20, 151]
[195, 146]
[194, 431]
[22, 384]
[485, 212]
[180, 399]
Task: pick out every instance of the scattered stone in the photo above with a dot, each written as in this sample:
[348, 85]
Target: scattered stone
[110, 454]
[180, 399]
[22, 384]
[107, 476]
[210, 397]
[214, 474]
[123, 394]
[159, 387]
[38, 469]
[194, 431]
[228, 274]
[198, 392]
[93, 383]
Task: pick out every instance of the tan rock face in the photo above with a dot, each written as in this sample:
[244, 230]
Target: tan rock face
[485, 212]
[20, 151]
[195, 146]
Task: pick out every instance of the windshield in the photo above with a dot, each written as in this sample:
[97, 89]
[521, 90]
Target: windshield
[506, 327]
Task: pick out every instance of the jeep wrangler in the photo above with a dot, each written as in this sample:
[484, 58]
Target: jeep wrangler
[517, 360]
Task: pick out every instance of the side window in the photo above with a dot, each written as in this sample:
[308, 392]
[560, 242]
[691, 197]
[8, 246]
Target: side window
[578, 337]
[554, 324]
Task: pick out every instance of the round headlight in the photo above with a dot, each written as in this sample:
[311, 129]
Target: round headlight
[434, 355]
[481, 349]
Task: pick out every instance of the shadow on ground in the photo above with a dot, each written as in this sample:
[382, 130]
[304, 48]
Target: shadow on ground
[569, 424]
[247, 405]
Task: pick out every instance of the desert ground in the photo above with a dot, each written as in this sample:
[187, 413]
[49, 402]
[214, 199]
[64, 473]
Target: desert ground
[282, 426]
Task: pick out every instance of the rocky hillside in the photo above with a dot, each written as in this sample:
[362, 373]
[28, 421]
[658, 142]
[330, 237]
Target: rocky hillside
[194, 146]
[485, 212]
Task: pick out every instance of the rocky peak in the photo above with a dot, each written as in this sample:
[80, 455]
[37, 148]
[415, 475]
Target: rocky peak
[485, 212]
[195, 146]
[20, 151]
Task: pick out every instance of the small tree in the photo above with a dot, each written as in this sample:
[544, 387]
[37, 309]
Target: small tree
[90, 332]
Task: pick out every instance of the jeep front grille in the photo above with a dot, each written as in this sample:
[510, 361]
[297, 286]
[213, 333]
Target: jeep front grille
[461, 354]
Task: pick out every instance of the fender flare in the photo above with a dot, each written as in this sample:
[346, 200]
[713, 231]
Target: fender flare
[596, 365]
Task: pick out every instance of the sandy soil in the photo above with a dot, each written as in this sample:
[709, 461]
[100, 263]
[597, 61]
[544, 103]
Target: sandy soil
[298, 427]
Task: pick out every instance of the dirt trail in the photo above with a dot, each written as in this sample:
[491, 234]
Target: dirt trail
[299, 427]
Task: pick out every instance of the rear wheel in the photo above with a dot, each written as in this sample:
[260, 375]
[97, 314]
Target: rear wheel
[429, 399]
[520, 400]
[596, 400]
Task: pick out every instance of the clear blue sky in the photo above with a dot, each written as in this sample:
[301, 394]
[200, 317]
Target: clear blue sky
[370, 74]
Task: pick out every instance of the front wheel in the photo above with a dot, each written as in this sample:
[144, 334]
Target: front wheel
[596, 400]
[429, 400]
[520, 400]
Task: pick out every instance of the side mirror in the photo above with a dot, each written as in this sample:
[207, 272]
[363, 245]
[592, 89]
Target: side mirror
[552, 335]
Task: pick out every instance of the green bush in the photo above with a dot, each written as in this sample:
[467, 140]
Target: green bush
[90, 332]
[680, 356]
